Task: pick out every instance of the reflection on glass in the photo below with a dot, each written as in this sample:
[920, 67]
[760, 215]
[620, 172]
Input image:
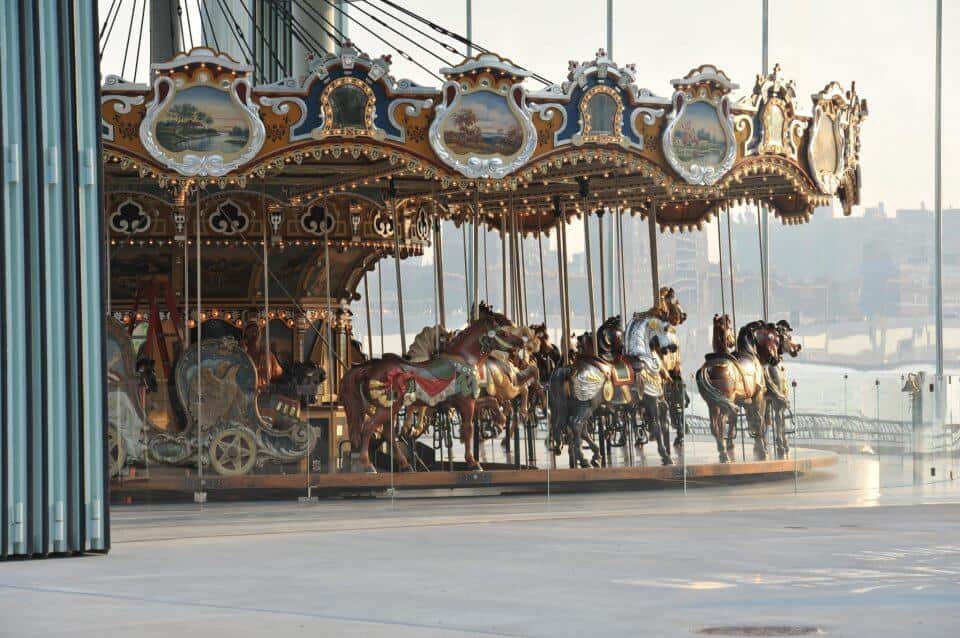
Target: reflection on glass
[602, 109]
[348, 104]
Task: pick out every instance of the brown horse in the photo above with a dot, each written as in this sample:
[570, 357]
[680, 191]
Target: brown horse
[373, 392]
[778, 399]
[728, 381]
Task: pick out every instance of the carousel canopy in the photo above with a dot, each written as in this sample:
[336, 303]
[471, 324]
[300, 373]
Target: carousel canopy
[327, 154]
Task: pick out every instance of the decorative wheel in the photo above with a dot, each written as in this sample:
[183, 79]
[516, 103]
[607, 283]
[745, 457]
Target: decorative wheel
[118, 456]
[233, 452]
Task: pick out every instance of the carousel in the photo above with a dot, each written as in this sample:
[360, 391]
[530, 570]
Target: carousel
[244, 220]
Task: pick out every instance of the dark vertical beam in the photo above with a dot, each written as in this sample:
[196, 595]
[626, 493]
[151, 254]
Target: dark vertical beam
[654, 257]
[164, 30]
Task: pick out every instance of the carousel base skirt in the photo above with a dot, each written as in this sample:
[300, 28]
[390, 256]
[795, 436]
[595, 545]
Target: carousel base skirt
[700, 468]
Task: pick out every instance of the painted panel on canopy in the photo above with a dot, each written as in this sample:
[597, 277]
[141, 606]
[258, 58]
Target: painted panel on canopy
[314, 118]
[698, 136]
[482, 124]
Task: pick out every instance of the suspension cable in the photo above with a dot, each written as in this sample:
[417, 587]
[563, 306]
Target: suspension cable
[263, 39]
[237, 33]
[106, 39]
[126, 47]
[179, 12]
[446, 45]
[203, 29]
[320, 21]
[451, 34]
[189, 25]
[106, 19]
[403, 54]
[300, 33]
[136, 63]
[213, 31]
[402, 35]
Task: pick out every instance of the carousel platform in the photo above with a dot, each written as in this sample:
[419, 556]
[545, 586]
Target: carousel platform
[701, 468]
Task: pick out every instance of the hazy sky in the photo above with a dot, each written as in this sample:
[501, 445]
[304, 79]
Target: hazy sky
[885, 45]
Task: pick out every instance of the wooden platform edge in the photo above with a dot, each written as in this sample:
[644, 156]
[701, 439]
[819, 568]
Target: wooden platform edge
[344, 482]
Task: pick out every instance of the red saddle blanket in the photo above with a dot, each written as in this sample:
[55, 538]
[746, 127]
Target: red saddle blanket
[430, 383]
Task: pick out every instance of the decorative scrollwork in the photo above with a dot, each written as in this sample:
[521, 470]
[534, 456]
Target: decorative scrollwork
[317, 220]
[129, 218]
[383, 223]
[229, 219]
[423, 223]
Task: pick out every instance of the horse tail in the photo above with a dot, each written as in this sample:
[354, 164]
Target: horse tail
[351, 395]
[557, 399]
[711, 395]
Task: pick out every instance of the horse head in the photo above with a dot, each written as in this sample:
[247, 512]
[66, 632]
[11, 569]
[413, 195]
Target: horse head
[500, 336]
[585, 345]
[767, 342]
[303, 378]
[146, 374]
[660, 336]
[610, 338]
[723, 337]
[787, 344]
[669, 307]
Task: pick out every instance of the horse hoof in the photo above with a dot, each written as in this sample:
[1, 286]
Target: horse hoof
[667, 461]
[594, 463]
[724, 458]
[370, 470]
[474, 467]
[407, 469]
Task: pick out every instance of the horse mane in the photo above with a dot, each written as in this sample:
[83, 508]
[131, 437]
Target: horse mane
[747, 339]
[424, 345]
[484, 322]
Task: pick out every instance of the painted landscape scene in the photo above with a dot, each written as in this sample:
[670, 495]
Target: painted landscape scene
[698, 136]
[203, 119]
[482, 124]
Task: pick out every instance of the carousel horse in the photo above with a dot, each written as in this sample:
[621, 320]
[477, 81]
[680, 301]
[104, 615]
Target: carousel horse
[374, 391]
[547, 356]
[778, 398]
[294, 389]
[519, 376]
[505, 381]
[626, 374]
[728, 380]
[669, 309]
[577, 391]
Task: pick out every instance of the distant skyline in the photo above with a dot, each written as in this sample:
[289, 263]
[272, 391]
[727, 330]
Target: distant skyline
[886, 46]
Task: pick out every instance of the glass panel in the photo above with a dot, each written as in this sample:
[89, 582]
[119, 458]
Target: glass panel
[602, 109]
[152, 449]
[348, 104]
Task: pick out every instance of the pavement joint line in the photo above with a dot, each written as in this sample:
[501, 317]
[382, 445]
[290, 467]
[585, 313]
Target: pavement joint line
[486, 519]
[264, 610]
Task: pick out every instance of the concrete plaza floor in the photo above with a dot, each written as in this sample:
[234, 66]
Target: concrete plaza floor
[853, 563]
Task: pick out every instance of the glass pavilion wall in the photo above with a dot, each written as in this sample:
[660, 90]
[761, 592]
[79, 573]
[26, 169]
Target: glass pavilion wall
[53, 485]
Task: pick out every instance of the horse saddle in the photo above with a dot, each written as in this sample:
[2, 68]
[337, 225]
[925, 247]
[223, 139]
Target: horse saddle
[622, 372]
[591, 375]
[716, 357]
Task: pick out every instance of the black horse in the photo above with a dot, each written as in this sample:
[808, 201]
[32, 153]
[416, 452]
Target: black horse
[613, 380]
